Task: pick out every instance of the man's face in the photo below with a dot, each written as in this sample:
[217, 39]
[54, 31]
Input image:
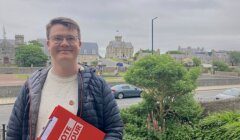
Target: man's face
[63, 45]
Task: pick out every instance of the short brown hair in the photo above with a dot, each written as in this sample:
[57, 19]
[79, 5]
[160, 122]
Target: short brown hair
[67, 22]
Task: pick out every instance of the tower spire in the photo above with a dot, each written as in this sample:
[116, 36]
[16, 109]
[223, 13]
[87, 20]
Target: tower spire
[4, 33]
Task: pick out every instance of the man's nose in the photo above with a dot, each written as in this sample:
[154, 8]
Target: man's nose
[64, 42]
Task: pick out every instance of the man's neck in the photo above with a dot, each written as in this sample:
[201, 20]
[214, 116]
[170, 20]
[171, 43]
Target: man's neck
[65, 71]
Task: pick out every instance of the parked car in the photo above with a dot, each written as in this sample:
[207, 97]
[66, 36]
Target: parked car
[228, 94]
[125, 90]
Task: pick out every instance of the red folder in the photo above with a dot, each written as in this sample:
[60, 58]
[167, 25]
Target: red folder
[64, 125]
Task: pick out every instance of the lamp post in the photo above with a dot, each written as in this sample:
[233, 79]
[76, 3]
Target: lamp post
[152, 32]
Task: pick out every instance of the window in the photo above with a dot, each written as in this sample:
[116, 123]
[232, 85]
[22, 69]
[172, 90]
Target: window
[125, 87]
[93, 51]
[85, 51]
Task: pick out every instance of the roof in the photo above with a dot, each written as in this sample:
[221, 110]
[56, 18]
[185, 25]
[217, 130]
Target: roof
[120, 44]
[11, 41]
[89, 48]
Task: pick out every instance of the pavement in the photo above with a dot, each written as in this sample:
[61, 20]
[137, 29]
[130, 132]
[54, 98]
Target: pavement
[11, 100]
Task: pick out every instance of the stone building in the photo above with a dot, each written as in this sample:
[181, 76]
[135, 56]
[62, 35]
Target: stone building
[7, 49]
[119, 49]
[88, 53]
[205, 56]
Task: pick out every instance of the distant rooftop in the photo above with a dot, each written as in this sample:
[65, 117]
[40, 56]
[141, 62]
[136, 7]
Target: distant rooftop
[89, 48]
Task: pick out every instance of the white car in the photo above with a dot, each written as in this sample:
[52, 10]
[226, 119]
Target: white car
[228, 94]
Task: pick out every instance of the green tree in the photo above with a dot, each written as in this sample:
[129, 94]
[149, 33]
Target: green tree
[164, 80]
[234, 58]
[220, 66]
[196, 61]
[30, 54]
[35, 42]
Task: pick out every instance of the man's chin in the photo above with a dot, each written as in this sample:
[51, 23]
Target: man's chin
[65, 61]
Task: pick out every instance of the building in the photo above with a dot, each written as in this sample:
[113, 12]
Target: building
[119, 49]
[7, 49]
[220, 55]
[204, 56]
[142, 53]
[88, 53]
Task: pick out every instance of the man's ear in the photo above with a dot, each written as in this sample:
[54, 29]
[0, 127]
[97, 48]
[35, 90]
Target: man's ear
[48, 44]
[80, 43]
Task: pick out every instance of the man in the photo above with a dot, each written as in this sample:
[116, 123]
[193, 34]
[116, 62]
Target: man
[66, 83]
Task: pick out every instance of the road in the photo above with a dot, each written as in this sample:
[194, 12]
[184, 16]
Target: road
[5, 110]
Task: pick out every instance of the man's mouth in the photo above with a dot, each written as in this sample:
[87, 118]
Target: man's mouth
[64, 49]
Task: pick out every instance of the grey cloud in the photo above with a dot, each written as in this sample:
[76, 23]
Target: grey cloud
[206, 23]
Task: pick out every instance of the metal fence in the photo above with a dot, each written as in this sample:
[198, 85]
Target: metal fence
[3, 132]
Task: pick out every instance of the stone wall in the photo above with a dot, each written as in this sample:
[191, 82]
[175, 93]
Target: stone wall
[226, 73]
[30, 70]
[18, 70]
[218, 81]
[221, 105]
[9, 91]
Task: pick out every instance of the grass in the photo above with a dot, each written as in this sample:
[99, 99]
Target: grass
[110, 78]
[21, 76]
[114, 79]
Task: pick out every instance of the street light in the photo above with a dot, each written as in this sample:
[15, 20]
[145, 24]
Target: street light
[152, 32]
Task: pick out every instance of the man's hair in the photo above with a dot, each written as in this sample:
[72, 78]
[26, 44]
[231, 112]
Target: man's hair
[67, 22]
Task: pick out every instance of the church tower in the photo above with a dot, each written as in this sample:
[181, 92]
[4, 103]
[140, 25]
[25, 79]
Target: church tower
[19, 40]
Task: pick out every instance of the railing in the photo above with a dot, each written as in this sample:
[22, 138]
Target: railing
[3, 132]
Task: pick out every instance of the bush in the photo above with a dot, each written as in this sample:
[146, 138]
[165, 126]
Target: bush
[222, 126]
[180, 124]
[134, 119]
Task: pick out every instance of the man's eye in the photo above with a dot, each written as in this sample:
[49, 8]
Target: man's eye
[58, 38]
[70, 38]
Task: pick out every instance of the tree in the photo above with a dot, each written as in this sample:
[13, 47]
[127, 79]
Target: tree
[164, 80]
[175, 52]
[196, 61]
[220, 66]
[30, 54]
[35, 42]
[234, 58]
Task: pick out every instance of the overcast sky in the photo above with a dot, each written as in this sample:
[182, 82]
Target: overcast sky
[212, 24]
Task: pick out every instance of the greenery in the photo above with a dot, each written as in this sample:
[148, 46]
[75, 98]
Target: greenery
[147, 51]
[94, 63]
[22, 76]
[220, 66]
[168, 103]
[220, 126]
[30, 54]
[234, 58]
[175, 52]
[196, 61]
[114, 79]
[180, 123]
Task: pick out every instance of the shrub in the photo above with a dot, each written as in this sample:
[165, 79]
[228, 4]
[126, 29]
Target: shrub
[222, 126]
